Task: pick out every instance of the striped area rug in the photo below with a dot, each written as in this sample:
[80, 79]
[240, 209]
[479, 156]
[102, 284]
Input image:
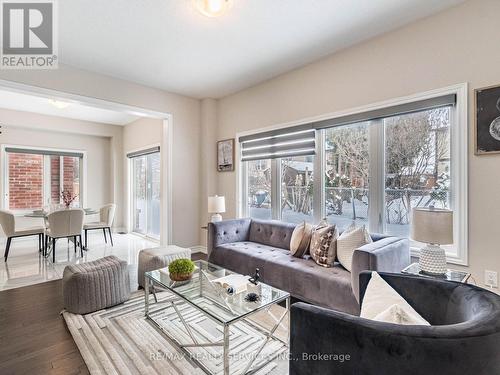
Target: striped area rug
[120, 340]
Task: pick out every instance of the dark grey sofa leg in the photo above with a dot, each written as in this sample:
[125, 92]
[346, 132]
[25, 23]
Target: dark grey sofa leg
[104, 231]
[85, 238]
[53, 250]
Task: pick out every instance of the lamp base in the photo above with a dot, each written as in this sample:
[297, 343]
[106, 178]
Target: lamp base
[433, 260]
[215, 218]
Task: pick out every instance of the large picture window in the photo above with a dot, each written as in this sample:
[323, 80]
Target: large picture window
[37, 178]
[372, 172]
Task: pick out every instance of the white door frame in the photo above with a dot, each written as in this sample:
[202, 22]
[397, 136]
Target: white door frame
[166, 141]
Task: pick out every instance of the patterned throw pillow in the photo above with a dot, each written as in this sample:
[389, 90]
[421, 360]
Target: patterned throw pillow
[323, 244]
[351, 239]
[301, 237]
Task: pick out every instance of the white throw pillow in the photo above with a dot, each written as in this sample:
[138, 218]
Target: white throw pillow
[351, 239]
[382, 303]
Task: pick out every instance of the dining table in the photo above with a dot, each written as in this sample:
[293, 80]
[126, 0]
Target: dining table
[42, 214]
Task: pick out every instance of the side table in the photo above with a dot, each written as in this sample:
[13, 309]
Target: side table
[450, 275]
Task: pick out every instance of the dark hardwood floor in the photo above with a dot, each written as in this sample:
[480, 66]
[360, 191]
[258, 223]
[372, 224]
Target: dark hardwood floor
[34, 338]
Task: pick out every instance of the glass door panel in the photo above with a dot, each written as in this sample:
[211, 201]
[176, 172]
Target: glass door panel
[146, 194]
[139, 194]
[154, 195]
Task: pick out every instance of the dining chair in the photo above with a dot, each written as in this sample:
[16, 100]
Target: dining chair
[8, 224]
[106, 217]
[64, 224]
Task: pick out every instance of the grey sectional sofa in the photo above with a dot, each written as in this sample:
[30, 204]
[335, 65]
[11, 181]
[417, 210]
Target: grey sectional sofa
[245, 244]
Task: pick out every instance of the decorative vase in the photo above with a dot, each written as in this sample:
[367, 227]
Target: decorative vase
[180, 276]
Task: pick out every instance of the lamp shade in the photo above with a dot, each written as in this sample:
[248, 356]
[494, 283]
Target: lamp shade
[216, 204]
[432, 225]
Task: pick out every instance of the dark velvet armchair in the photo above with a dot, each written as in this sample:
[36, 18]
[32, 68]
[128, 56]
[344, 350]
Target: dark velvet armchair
[464, 336]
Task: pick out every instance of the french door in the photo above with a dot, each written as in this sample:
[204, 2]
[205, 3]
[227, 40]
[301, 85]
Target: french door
[146, 195]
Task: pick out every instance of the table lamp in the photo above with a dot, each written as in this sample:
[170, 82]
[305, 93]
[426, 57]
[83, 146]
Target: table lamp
[433, 226]
[216, 206]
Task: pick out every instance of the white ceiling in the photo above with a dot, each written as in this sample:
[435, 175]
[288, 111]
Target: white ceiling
[36, 104]
[169, 45]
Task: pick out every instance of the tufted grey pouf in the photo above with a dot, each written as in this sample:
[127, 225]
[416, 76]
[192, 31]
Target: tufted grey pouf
[159, 257]
[96, 285]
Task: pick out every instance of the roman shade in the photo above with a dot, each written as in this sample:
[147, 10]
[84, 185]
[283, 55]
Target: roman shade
[395, 110]
[147, 151]
[15, 150]
[279, 144]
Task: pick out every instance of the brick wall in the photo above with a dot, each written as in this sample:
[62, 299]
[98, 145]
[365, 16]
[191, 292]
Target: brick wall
[55, 187]
[25, 181]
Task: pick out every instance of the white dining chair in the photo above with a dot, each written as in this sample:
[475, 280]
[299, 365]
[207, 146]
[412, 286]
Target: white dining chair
[106, 218]
[8, 224]
[64, 224]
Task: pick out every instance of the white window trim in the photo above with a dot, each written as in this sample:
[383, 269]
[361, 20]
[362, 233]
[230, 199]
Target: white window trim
[4, 170]
[459, 161]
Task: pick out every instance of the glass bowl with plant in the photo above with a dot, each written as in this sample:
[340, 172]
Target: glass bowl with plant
[181, 269]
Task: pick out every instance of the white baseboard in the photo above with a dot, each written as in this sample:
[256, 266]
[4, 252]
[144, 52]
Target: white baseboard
[199, 249]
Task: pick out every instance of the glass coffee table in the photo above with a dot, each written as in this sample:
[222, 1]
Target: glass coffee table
[237, 339]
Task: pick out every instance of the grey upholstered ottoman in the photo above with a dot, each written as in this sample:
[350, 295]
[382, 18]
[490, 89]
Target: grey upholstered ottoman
[159, 257]
[96, 285]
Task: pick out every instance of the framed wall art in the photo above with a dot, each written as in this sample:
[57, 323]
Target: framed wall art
[487, 120]
[225, 155]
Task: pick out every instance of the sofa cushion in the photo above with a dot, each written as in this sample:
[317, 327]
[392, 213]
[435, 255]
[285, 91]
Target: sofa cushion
[301, 237]
[303, 278]
[271, 233]
[323, 248]
[351, 239]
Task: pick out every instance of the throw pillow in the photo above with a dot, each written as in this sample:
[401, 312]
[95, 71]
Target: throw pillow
[301, 237]
[351, 239]
[379, 295]
[324, 244]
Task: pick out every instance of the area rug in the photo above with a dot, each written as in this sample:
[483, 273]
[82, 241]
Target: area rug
[120, 340]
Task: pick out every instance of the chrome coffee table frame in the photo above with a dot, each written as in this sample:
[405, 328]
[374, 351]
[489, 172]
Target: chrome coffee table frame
[151, 281]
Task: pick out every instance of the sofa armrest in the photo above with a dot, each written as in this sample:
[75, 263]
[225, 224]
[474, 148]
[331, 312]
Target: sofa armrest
[227, 231]
[390, 254]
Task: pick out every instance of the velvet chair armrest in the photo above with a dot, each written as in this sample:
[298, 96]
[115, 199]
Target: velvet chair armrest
[227, 231]
[389, 254]
[324, 341]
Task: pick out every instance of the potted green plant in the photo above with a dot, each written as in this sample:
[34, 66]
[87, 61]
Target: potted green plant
[181, 269]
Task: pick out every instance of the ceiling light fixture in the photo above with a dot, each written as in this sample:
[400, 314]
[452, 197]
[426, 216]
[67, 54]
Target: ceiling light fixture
[59, 104]
[213, 8]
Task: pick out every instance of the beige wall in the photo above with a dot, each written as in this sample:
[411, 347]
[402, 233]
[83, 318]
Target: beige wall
[186, 133]
[35, 130]
[458, 45]
[142, 133]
